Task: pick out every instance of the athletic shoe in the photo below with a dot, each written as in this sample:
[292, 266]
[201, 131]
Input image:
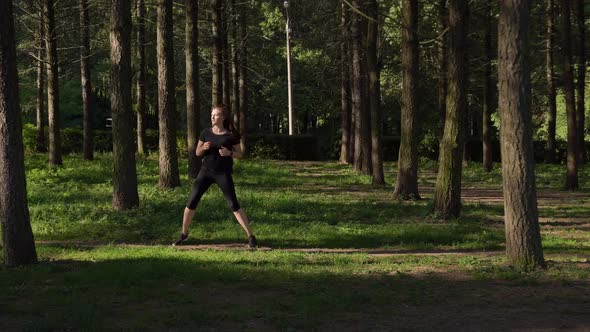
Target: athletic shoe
[252, 242]
[181, 240]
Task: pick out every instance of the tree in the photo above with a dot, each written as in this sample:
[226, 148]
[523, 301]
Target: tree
[55, 158]
[140, 85]
[345, 111]
[125, 194]
[85, 80]
[488, 89]
[225, 54]
[192, 86]
[41, 142]
[216, 56]
[523, 238]
[571, 181]
[406, 186]
[442, 64]
[374, 97]
[235, 92]
[551, 102]
[581, 82]
[356, 84]
[18, 244]
[243, 74]
[169, 175]
[447, 195]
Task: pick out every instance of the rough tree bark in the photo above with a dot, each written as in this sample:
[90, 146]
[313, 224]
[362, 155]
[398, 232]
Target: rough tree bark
[125, 195]
[406, 186]
[571, 182]
[523, 238]
[488, 89]
[216, 58]
[447, 195]
[374, 96]
[551, 101]
[86, 80]
[41, 143]
[140, 84]
[192, 86]
[18, 244]
[345, 109]
[55, 158]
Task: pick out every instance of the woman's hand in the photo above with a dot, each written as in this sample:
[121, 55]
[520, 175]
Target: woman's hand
[224, 152]
[202, 147]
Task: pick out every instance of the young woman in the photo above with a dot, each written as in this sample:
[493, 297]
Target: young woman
[218, 146]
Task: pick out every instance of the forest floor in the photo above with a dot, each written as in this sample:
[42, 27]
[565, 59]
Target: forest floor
[335, 254]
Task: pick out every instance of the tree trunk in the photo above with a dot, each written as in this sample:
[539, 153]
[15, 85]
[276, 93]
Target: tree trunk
[17, 237]
[581, 83]
[488, 89]
[216, 58]
[225, 55]
[52, 85]
[442, 65]
[192, 86]
[345, 155]
[235, 92]
[41, 145]
[366, 163]
[374, 75]
[356, 50]
[85, 80]
[447, 195]
[243, 74]
[571, 182]
[140, 93]
[552, 112]
[406, 186]
[125, 194]
[169, 175]
[523, 238]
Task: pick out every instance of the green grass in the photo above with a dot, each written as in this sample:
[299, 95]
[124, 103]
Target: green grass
[292, 206]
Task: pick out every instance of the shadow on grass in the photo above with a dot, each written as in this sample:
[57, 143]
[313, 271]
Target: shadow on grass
[305, 292]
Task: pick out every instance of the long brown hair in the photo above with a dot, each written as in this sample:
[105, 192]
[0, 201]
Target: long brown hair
[228, 122]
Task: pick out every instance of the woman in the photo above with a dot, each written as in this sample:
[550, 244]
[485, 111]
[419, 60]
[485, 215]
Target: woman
[218, 146]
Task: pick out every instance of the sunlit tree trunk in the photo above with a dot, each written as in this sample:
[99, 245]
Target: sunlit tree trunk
[374, 75]
[235, 89]
[581, 82]
[192, 86]
[406, 186]
[488, 89]
[447, 195]
[169, 174]
[523, 238]
[125, 195]
[85, 80]
[55, 158]
[41, 145]
[216, 57]
[551, 102]
[140, 87]
[571, 182]
[243, 75]
[345, 109]
[18, 244]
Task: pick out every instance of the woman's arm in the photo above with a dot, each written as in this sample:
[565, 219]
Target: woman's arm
[237, 151]
[202, 147]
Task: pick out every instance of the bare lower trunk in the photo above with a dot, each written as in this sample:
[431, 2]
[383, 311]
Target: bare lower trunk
[488, 95]
[18, 244]
[552, 111]
[406, 186]
[141, 97]
[235, 92]
[581, 82]
[192, 87]
[571, 182]
[85, 80]
[447, 195]
[216, 57]
[356, 85]
[55, 158]
[243, 61]
[345, 109]
[374, 75]
[41, 141]
[169, 174]
[523, 238]
[125, 195]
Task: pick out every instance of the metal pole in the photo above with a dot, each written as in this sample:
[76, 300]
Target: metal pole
[289, 75]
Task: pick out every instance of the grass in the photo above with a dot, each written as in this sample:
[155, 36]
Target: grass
[293, 206]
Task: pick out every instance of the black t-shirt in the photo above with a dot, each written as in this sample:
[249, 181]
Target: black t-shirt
[212, 160]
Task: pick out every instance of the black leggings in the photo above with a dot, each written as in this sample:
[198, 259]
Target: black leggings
[204, 181]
